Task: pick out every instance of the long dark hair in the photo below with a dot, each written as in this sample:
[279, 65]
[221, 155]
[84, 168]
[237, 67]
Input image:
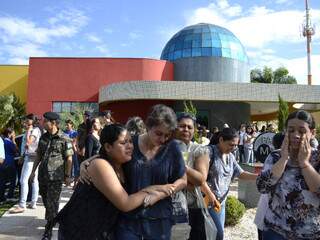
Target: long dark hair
[226, 134]
[110, 134]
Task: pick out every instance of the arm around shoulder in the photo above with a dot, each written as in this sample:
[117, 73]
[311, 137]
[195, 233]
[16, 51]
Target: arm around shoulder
[105, 179]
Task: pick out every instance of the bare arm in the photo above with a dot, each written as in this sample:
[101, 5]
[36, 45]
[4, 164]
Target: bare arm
[68, 166]
[210, 197]
[106, 181]
[180, 183]
[279, 167]
[198, 175]
[248, 176]
[311, 176]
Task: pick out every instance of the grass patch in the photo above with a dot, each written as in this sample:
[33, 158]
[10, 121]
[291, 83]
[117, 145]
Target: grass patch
[5, 207]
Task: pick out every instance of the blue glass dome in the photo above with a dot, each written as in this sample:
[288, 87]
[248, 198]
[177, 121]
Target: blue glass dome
[204, 40]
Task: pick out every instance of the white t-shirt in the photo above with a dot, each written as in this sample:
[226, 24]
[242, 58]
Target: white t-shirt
[36, 134]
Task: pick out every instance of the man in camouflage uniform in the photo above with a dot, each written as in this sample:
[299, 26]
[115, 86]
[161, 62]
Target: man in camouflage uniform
[54, 155]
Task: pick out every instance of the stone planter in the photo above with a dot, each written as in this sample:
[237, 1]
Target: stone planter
[247, 189]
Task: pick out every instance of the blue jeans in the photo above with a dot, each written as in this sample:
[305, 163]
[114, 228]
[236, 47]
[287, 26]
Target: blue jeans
[139, 229]
[24, 183]
[219, 219]
[75, 166]
[272, 235]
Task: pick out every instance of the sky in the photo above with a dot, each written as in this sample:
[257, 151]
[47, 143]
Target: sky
[270, 30]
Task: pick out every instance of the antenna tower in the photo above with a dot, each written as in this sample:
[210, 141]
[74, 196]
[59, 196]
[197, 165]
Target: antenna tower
[308, 31]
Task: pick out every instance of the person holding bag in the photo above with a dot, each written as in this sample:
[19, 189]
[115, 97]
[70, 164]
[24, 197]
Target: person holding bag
[197, 163]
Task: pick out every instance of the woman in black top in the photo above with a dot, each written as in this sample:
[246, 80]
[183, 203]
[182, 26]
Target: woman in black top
[93, 209]
[93, 145]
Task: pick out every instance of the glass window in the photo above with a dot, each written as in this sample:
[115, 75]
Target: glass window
[223, 37]
[196, 52]
[177, 54]
[206, 29]
[179, 45]
[198, 30]
[170, 56]
[197, 36]
[206, 43]
[187, 44]
[188, 37]
[196, 43]
[186, 53]
[206, 36]
[66, 106]
[216, 52]
[216, 43]
[226, 52]
[225, 44]
[60, 107]
[206, 52]
[56, 106]
[171, 49]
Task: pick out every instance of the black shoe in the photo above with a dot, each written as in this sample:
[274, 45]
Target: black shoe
[46, 236]
[47, 232]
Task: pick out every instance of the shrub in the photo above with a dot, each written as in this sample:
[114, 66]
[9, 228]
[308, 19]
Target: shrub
[234, 211]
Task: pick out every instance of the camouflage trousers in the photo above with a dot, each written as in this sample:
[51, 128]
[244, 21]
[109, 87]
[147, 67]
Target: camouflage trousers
[50, 192]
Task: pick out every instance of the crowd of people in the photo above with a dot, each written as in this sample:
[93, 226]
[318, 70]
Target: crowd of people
[142, 179]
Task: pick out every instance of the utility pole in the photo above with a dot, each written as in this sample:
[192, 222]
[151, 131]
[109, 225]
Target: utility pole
[308, 31]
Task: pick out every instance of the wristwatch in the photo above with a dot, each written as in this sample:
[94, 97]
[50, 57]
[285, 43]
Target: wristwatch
[67, 175]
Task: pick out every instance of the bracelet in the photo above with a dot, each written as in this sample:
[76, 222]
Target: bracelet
[146, 200]
[67, 175]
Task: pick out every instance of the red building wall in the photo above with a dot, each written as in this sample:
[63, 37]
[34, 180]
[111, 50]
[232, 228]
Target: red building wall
[79, 79]
[123, 110]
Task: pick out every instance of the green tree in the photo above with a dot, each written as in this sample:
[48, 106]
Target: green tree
[281, 76]
[76, 116]
[6, 110]
[19, 110]
[282, 113]
[256, 76]
[267, 75]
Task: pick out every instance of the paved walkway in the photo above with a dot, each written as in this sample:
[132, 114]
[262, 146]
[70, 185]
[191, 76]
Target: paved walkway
[29, 224]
